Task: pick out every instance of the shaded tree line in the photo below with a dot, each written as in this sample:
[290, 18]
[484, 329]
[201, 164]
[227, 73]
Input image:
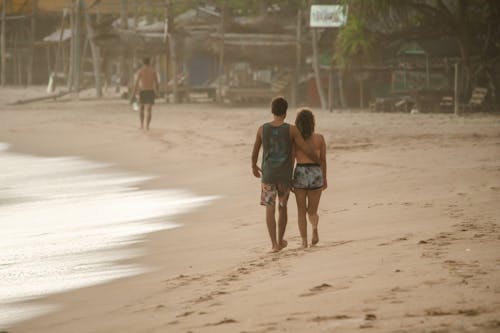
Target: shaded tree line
[473, 24]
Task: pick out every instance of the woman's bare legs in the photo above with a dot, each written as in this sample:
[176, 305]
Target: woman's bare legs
[300, 197]
[313, 197]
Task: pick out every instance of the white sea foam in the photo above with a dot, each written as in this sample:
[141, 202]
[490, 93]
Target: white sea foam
[64, 223]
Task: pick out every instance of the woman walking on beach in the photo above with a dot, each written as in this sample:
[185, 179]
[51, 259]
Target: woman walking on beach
[309, 178]
[277, 138]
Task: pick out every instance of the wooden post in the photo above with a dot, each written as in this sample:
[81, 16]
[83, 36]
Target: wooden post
[134, 56]
[298, 54]
[361, 76]
[60, 51]
[98, 13]
[83, 56]
[17, 61]
[136, 14]
[3, 49]
[77, 44]
[361, 93]
[47, 54]
[456, 90]
[96, 56]
[172, 50]
[34, 14]
[124, 26]
[149, 13]
[165, 57]
[330, 89]
[123, 14]
[343, 102]
[65, 59]
[317, 73]
[221, 51]
[71, 57]
[427, 74]
[404, 77]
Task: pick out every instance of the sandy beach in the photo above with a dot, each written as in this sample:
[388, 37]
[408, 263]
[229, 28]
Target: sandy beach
[409, 226]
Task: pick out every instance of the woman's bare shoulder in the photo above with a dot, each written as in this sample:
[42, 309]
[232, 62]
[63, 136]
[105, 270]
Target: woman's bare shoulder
[317, 137]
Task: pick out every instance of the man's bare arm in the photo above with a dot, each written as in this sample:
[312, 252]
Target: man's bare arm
[255, 153]
[297, 138]
[157, 85]
[322, 157]
[136, 86]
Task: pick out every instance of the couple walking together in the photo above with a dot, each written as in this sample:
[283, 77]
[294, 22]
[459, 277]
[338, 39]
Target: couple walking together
[283, 146]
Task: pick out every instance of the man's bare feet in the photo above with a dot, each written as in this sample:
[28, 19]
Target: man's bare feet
[315, 237]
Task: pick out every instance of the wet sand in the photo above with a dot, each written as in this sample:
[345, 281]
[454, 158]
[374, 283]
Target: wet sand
[409, 226]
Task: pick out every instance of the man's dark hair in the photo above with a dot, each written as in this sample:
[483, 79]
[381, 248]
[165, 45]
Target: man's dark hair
[279, 105]
[146, 61]
[305, 123]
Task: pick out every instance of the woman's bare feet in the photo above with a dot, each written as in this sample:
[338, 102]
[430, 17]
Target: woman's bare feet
[304, 243]
[315, 236]
[278, 248]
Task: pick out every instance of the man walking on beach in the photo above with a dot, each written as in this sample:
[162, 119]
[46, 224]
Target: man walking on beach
[146, 84]
[277, 139]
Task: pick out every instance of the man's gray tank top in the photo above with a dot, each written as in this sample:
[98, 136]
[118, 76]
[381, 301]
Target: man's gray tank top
[277, 166]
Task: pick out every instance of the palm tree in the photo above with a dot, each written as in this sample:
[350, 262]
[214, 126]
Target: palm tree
[353, 47]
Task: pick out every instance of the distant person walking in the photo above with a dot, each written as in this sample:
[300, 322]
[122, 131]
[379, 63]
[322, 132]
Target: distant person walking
[309, 178]
[146, 84]
[277, 139]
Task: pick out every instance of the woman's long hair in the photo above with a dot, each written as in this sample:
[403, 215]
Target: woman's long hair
[305, 123]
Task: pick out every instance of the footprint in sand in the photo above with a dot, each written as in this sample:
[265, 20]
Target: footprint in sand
[400, 239]
[431, 283]
[204, 299]
[222, 322]
[322, 288]
[181, 280]
[493, 324]
[185, 314]
[370, 316]
[369, 321]
[399, 290]
[436, 312]
[317, 289]
[210, 296]
[318, 319]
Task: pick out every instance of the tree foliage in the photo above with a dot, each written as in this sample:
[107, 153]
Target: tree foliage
[353, 45]
[473, 24]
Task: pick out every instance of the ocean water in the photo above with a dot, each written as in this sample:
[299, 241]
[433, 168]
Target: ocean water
[66, 221]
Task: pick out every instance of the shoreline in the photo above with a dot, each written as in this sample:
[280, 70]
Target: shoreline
[391, 255]
[100, 252]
